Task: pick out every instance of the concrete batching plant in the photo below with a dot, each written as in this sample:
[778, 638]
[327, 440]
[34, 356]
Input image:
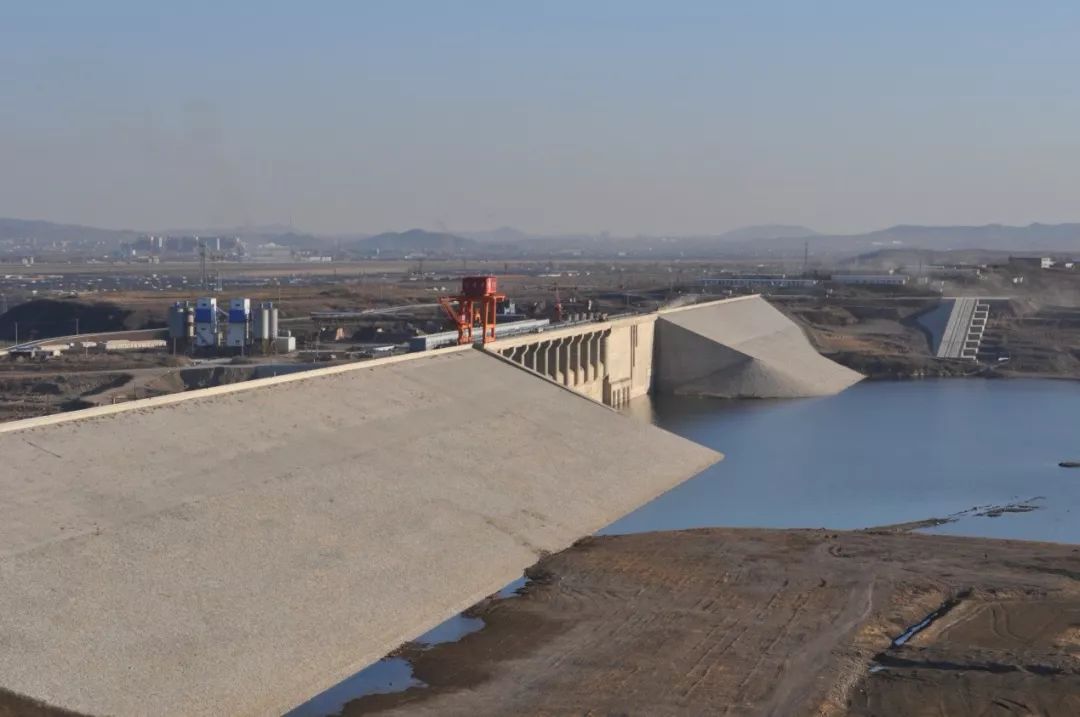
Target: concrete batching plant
[206, 328]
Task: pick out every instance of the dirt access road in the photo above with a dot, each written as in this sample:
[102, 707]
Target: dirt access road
[760, 622]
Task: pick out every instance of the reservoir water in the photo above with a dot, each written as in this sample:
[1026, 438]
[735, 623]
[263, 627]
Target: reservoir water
[880, 453]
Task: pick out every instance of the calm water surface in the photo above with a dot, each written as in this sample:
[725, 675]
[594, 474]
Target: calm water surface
[880, 453]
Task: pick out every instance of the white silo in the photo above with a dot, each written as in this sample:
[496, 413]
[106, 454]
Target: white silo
[273, 322]
[260, 323]
[239, 318]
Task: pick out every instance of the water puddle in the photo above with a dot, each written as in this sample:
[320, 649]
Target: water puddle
[394, 674]
[927, 621]
[513, 589]
[452, 630]
[914, 630]
[390, 674]
[904, 637]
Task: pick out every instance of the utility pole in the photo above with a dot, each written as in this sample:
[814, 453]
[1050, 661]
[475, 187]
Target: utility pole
[76, 325]
[805, 257]
[202, 263]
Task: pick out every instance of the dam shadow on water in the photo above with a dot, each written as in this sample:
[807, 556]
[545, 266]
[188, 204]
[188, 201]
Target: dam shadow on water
[879, 453]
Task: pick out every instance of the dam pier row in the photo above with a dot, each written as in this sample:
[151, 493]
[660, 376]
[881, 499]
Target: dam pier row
[238, 549]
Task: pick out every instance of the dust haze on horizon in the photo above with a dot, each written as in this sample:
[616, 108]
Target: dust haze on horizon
[625, 117]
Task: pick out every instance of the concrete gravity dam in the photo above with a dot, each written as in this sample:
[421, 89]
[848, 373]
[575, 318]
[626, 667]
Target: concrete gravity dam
[732, 348]
[236, 550]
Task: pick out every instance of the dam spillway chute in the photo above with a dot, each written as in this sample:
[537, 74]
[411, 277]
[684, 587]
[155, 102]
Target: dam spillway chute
[741, 348]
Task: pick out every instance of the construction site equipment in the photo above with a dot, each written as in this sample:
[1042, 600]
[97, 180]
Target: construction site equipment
[474, 306]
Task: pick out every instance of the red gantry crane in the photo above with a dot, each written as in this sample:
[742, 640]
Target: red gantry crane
[474, 306]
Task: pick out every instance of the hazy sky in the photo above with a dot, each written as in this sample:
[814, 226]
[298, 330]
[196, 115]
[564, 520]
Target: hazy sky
[626, 116]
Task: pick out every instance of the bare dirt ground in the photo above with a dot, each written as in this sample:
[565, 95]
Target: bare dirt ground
[755, 622]
[74, 381]
[880, 337]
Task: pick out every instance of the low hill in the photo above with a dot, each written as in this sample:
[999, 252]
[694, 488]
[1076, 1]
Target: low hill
[45, 318]
[47, 233]
[413, 241]
[1042, 238]
[908, 259]
[989, 236]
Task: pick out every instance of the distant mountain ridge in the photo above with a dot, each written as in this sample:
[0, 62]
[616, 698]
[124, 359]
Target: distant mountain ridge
[762, 241]
[989, 237]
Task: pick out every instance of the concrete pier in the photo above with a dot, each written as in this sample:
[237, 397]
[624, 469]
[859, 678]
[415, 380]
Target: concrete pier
[610, 362]
[236, 550]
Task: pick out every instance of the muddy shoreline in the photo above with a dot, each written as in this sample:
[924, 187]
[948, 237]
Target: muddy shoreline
[744, 621]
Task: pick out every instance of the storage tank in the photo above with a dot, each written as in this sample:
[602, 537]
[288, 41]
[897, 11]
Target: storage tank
[239, 318]
[177, 320]
[273, 322]
[260, 323]
[206, 322]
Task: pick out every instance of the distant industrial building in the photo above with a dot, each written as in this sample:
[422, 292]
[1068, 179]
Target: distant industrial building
[185, 245]
[53, 350]
[870, 279]
[450, 338]
[1031, 262]
[767, 281]
[271, 252]
[758, 281]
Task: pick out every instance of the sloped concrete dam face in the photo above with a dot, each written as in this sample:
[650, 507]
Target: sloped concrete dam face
[234, 551]
[741, 348]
